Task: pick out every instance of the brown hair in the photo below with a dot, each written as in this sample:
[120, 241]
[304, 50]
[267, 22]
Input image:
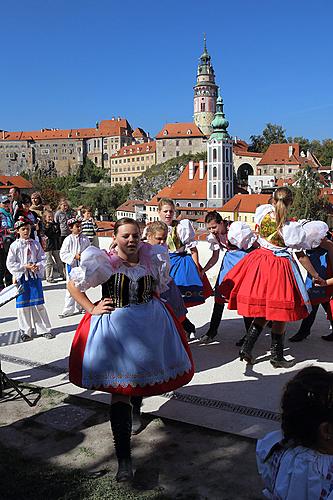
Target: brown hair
[158, 225]
[37, 194]
[86, 209]
[214, 215]
[47, 212]
[283, 198]
[166, 201]
[122, 222]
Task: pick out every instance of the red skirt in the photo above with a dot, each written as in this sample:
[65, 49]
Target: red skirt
[263, 285]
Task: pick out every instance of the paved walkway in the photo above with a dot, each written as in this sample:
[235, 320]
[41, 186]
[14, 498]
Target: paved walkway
[224, 394]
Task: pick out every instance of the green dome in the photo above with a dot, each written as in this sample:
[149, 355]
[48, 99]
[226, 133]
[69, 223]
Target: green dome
[219, 123]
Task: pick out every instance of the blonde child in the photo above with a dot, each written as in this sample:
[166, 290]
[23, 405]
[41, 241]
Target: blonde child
[26, 262]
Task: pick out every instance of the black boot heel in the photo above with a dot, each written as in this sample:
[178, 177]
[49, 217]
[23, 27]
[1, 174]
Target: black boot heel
[277, 360]
[245, 352]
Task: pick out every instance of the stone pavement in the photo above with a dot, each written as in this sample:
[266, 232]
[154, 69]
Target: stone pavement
[225, 394]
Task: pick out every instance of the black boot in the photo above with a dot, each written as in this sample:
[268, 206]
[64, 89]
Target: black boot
[214, 323]
[299, 336]
[277, 359]
[188, 327]
[245, 352]
[136, 414]
[121, 425]
[247, 323]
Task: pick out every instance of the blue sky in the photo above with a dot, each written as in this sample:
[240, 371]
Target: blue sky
[69, 63]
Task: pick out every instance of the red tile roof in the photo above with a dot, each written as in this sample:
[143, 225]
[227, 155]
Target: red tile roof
[278, 154]
[240, 148]
[139, 132]
[185, 188]
[129, 205]
[179, 130]
[106, 128]
[245, 203]
[285, 182]
[134, 149]
[8, 181]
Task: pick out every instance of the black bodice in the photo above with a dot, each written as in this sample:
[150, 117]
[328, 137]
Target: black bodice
[124, 291]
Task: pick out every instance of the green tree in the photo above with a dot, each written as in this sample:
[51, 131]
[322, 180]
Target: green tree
[272, 134]
[326, 155]
[304, 144]
[308, 202]
[89, 172]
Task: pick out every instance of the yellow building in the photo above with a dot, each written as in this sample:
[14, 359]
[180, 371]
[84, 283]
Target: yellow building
[242, 207]
[131, 161]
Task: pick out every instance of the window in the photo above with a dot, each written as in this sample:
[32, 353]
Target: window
[177, 143]
[227, 154]
[202, 106]
[281, 170]
[214, 190]
[274, 170]
[96, 160]
[177, 204]
[142, 158]
[201, 205]
[177, 153]
[190, 142]
[163, 154]
[189, 204]
[289, 170]
[163, 144]
[214, 172]
[214, 154]
[245, 218]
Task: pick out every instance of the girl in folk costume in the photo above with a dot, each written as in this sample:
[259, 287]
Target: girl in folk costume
[236, 243]
[185, 267]
[26, 262]
[127, 344]
[320, 254]
[156, 234]
[70, 253]
[267, 284]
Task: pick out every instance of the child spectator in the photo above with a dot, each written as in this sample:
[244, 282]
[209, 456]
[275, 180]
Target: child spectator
[70, 253]
[297, 463]
[62, 215]
[25, 211]
[7, 236]
[52, 246]
[89, 226]
[26, 262]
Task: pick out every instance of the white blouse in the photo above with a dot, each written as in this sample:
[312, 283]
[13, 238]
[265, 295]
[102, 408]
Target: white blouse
[186, 234]
[96, 267]
[22, 252]
[72, 245]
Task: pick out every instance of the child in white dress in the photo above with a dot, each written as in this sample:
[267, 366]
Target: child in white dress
[70, 253]
[297, 463]
[26, 262]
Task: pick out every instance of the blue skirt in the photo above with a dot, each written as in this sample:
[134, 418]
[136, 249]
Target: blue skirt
[32, 294]
[230, 259]
[135, 350]
[194, 290]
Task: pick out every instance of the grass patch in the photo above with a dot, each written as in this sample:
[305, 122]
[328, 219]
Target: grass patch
[32, 479]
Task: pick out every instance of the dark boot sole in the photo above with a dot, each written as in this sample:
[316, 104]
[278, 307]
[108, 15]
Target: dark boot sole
[282, 364]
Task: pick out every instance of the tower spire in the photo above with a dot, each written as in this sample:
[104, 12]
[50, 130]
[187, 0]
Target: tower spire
[220, 123]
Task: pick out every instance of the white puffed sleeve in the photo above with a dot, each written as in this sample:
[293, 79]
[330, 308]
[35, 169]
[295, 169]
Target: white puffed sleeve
[213, 243]
[186, 234]
[293, 235]
[161, 262]
[315, 232]
[95, 268]
[40, 259]
[15, 262]
[68, 251]
[261, 211]
[241, 235]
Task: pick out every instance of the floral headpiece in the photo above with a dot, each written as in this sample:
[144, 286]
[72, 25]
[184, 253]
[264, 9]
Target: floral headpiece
[74, 220]
[21, 221]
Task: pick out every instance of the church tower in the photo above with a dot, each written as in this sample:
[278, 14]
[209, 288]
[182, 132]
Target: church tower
[220, 169]
[205, 93]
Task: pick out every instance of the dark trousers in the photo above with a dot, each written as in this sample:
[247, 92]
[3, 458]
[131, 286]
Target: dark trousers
[308, 322]
[5, 275]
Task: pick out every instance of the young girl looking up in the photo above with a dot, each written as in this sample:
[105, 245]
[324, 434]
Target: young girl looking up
[127, 344]
[297, 463]
[26, 262]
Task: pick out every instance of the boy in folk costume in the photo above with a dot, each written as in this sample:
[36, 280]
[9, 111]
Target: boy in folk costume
[70, 253]
[26, 262]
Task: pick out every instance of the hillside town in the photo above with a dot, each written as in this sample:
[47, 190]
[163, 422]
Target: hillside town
[167, 287]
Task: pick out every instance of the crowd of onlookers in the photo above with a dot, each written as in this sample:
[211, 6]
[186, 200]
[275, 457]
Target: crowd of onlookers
[48, 227]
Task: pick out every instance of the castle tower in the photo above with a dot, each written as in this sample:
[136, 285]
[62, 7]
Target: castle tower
[220, 171]
[205, 93]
